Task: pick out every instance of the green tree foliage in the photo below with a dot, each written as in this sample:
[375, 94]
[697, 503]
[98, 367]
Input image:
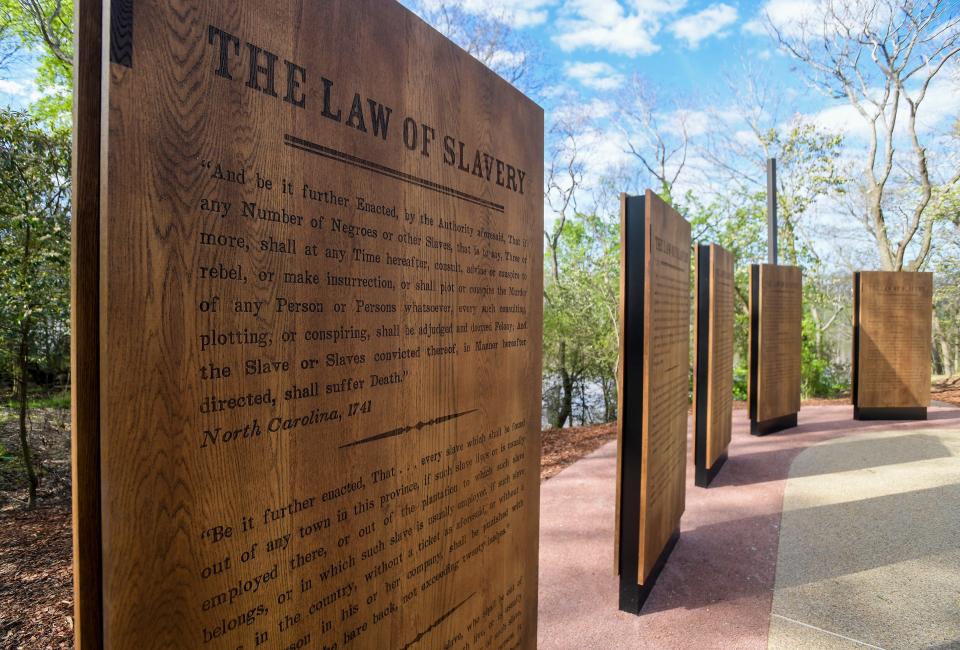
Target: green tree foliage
[580, 338]
[44, 28]
[807, 169]
[946, 308]
[34, 255]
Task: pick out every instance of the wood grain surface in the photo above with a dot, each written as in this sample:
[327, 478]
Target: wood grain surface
[85, 328]
[894, 319]
[666, 351]
[713, 387]
[776, 306]
[655, 363]
[320, 332]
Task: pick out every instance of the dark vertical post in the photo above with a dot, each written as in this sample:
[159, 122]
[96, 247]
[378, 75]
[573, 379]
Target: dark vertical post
[85, 327]
[771, 210]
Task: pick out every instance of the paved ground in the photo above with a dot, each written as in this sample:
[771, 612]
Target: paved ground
[869, 552]
[870, 544]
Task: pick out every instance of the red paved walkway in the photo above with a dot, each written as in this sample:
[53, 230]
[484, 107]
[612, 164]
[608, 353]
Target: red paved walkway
[717, 588]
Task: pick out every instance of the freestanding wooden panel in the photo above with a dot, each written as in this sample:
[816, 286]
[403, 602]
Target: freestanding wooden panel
[713, 369]
[892, 339]
[653, 399]
[319, 332]
[776, 314]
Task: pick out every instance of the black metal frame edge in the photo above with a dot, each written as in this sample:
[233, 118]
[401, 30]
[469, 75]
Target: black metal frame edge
[754, 335]
[855, 360]
[634, 224]
[890, 413]
[633, 601]
[773, 425]
[705, 476]
[702, 376]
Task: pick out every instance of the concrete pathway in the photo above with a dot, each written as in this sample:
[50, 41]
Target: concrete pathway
[718, 589]
[870, 544]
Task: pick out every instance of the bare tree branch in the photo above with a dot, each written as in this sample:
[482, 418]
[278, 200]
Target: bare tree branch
[884, 54]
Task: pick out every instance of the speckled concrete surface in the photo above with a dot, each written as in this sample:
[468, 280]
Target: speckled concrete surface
[717, 589]
[870, 543]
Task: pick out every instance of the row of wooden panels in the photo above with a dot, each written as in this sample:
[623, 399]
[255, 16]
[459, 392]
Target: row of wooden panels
[891, 369]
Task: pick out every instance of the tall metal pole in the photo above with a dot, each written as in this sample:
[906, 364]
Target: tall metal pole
[772, 210]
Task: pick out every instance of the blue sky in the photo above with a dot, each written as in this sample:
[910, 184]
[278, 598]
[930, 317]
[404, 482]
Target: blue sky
[694, 56]
[17, 86]
[688, 53]
[681, 46]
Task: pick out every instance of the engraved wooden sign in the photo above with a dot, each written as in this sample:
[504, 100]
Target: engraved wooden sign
[654, 397]
[713, 368]
[892, 338]
[319, 332]
[776, 312]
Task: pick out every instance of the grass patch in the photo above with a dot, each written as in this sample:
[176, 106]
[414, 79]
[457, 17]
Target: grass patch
[52, 400]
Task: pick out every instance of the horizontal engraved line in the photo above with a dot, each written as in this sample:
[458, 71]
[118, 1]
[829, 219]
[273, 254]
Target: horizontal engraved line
[438, 621]
[405, 429]
[383, 170]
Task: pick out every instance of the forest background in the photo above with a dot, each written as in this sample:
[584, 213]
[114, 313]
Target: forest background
[858, 101]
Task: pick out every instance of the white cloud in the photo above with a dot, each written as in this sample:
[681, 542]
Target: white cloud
[18, 92]
[599, 109]
[12, 87]
[610, 25]
[697, 27]
[691, 122]
[518, 13]
[793, 18]
[937, 109]
[598, 75]
[745, 137]
[506, 59]
[788, 16]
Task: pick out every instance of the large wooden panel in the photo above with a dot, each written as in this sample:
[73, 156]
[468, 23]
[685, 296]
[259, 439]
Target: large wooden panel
[654, 397]
[320, 326]
[776, 315]
[713, 370]
[893, 316]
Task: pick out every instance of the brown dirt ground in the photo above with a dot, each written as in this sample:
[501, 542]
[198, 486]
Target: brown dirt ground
[948, 390]
[36, 582]
[563, 447]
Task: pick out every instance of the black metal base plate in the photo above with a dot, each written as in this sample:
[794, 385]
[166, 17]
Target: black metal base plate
[704, 475]
[632, 595]
[894, 413]
[772, 426]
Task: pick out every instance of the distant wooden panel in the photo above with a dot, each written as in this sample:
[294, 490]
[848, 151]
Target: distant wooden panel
[654, 398]
[713, 368]
[893, 316]
[776, 314]
[320, 325]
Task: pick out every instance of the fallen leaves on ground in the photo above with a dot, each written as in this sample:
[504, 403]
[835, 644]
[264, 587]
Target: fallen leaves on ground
[948, 390]
[563, 447]
[36, 585]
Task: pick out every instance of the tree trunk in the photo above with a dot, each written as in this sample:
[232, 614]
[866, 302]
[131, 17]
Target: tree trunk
[21, 391]
[818, 332]
[941, 349]
[605, 385]
[566, 390]
[956, 356]
[583, 405]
